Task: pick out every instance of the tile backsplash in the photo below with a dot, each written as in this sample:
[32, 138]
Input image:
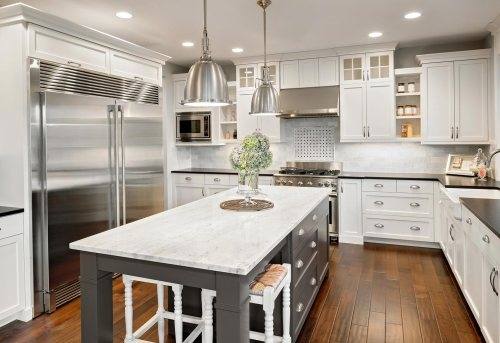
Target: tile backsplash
[375, 157]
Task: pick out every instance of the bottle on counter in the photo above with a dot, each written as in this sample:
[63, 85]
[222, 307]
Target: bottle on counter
[235, 134]
[479, 165]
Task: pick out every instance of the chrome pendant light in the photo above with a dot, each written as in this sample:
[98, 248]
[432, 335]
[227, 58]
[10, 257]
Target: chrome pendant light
[265, 97]
[206, 83]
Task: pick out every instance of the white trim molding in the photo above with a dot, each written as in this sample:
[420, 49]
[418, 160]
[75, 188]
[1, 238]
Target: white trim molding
[494, 26]
[454, 56]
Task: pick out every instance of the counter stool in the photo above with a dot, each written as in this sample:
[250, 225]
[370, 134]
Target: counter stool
[160, 315]
[263, 291]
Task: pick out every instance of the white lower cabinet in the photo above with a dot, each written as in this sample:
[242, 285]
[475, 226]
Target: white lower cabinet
[459, 253]
[12, 285]
[490, 321]
[350, 220]
[472, 279]
[187, 193]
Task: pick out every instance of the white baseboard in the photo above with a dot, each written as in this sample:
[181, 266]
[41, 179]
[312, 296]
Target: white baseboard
[419, 244]
[24, 315]
[351, 239]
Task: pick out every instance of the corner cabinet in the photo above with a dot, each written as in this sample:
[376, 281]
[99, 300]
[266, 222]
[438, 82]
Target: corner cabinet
[367, 102]
[454, 96]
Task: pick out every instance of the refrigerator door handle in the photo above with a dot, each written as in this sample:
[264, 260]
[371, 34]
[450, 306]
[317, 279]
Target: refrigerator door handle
[112, 112]
[122, 148]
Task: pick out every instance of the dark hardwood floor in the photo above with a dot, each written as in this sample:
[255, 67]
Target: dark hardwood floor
[374, 293]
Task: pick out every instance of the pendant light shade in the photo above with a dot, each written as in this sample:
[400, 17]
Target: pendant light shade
[206, 83]
[265, 97]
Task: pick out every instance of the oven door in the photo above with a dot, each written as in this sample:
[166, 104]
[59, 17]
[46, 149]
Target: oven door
[193, 126]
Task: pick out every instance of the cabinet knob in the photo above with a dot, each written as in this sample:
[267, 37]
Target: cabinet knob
[379, 226]
[313, 281]
[188, 178]
[313, 244]
[309, 183]
[217, 179]
[378, 185]
[299, 264]
[486, 239]
[414, 187]
[414, 204]
[300, 307]
[301, 232]
[468, 221]
[300, 183]
[415, 228]
[315, 217]
[378, 202]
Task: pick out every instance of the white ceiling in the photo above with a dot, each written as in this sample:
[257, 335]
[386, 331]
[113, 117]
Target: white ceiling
[293, 25]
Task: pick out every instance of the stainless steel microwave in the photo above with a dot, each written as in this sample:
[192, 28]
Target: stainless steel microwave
[193, 126]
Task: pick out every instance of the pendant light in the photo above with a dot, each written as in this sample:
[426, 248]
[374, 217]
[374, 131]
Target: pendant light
[265, 97]
[206, 83]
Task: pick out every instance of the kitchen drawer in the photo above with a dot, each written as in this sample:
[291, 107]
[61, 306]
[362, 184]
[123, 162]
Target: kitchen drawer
[481, 235]
[189, 179]
[133, 67]
[415, 187]
[404, 228]
[217, 179]
[58, 47]
[378, 185]
[302, 260]
[11, 225]
[398, 204]
[301, 232]
[303, 296]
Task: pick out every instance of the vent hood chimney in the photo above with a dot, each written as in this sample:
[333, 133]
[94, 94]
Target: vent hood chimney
[309, 102]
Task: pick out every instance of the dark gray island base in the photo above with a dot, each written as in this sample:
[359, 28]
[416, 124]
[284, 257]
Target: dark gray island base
[304, 246]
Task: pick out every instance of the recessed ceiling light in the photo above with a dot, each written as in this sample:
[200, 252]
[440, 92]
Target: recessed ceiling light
[237, 50]
[375, 34]
[187, 44]
[412, 15]
[124, 15]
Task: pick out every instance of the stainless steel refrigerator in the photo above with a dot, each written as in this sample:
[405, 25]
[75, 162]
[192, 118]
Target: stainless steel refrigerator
[97, 163]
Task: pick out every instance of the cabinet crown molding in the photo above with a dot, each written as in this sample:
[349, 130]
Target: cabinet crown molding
[21, 13]
[454, 56]
[494, 26]
[301, 55]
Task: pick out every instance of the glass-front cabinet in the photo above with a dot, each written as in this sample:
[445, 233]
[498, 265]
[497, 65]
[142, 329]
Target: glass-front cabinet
[380, 66]
[273, 73]
[352, 68]
[246, 77]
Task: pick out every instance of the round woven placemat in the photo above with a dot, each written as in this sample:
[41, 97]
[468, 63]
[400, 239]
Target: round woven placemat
[242, 206]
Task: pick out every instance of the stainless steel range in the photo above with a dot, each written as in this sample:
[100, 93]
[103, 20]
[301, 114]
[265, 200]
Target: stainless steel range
[314, 174]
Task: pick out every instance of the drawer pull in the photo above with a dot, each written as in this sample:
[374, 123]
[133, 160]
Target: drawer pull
[414, 187]
[414, 204]
[300, 308]
[469, 221]
[486, 239]
[315, 217]
[299, 264]
[313, 281]
[74, 64]
[378, 185]
[217, 179]
[451, 235]
[301, 232]
[379, 226]
[415, 228]
[188, 178]
[313, 244]
[378, 202]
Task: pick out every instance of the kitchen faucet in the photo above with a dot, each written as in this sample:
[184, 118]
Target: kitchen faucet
[491, 157]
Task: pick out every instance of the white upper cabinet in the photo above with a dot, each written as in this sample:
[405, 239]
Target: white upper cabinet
[471, 100]
[246, 76]
[308, 73]
[289, 71]
[58, 47]
[454, 92]
[133, 67]
[367, 102]
[328, 71]
[353, 69]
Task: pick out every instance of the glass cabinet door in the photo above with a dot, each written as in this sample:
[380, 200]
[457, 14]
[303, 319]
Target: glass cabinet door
[246, 76]
[352, 68]
[380, 66]
[273, 73]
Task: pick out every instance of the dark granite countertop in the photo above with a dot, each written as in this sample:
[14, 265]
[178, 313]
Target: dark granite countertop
[486, 210]
[218, 171]
[6, 211]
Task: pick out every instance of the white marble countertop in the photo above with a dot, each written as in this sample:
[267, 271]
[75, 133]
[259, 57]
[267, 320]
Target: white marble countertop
[202, 235]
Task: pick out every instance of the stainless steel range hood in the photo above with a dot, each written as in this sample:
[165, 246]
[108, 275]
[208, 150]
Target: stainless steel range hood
[309, 102]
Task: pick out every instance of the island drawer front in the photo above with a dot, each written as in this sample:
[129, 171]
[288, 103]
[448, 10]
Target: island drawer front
[303, 259]
[11, 225]
[404, 228]
[303, 297]
[217, 179]
[379, 185]
[481, 235]
[310, 223]
[398, 204]
[415, 187]
[189, 179]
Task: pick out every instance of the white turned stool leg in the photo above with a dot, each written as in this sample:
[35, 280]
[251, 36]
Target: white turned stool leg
[268, 305]
[160, 314]
[177, 289]
[207, 298]
[286, 306]
[129, 310]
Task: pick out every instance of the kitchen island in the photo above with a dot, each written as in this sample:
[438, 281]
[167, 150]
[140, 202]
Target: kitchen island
[200, 245]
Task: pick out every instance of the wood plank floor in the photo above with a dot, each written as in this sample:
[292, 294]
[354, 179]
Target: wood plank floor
[374, 293]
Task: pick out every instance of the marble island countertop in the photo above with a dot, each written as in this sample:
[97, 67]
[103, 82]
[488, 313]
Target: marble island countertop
[202, 235]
